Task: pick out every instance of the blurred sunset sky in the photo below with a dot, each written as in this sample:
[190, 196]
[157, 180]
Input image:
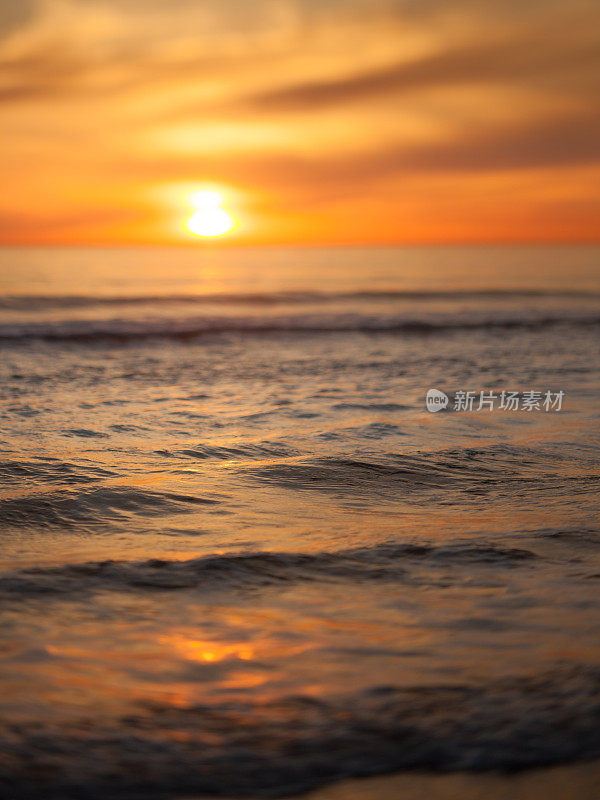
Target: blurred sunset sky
[318, 121]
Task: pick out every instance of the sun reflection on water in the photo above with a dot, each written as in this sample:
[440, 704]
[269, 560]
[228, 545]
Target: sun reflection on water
[204, 651]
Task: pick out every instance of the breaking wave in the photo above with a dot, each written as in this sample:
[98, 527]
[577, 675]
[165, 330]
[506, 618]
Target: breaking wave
[280, 748]
[125, 330]
[40, 302]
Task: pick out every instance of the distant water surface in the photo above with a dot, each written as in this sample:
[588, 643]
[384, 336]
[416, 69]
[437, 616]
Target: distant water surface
[240, 557]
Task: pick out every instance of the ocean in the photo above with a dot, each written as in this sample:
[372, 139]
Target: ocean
[241, 557]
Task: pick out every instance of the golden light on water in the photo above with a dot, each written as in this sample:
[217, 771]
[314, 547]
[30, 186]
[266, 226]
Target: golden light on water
[210, 219]
[207, 651]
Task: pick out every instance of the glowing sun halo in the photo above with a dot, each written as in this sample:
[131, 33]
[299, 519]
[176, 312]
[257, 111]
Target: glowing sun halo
[209, 220]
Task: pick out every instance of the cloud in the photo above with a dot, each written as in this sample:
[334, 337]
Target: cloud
[505, 62]
[307, 99]
[69, 47]
[13, 15]
[556, 141]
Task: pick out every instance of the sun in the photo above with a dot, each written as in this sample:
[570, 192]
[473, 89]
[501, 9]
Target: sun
[209, 222]
[210, 219]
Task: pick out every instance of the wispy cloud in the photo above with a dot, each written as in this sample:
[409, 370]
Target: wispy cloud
[298, 100]
[529, 62]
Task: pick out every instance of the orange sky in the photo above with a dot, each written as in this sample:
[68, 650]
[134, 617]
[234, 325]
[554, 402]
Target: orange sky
[343, 121]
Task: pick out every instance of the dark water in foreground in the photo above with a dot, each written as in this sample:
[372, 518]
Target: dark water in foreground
[240, 557]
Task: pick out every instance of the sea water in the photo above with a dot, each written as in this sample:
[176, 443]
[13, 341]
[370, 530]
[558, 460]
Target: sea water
[240, 556]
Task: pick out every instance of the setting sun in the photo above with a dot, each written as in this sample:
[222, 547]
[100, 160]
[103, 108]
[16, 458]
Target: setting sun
[209, 220]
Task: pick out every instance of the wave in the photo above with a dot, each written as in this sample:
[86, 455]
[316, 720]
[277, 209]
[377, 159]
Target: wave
[474, 470]
[295, 744]
[39, 302]
[124, 330]
[71, 507]
[261, 450]
[252, 570]
[59, 493]
[50, 471]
